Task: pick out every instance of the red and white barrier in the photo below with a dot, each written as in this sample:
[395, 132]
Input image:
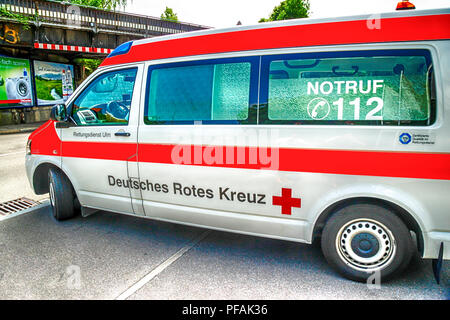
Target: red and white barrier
[61, 47]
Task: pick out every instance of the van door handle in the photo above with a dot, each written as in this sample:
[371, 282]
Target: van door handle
[122, 134]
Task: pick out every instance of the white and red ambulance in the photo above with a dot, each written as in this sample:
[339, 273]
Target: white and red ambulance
[337, 129]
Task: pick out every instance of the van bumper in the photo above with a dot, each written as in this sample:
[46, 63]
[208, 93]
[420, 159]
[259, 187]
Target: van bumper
[29, 167]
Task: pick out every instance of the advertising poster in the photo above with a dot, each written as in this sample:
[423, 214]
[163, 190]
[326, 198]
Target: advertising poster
[15, 83]
[54, 82]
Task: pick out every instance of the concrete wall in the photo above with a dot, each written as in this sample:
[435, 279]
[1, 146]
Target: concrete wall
[25, 115]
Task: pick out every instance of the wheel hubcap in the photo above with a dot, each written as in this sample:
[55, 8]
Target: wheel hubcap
[365, 245]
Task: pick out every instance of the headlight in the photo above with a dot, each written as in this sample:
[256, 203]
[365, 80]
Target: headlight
[28, 148]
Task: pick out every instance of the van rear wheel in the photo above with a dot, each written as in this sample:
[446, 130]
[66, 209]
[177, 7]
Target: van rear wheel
[361, 240]
[61, 195]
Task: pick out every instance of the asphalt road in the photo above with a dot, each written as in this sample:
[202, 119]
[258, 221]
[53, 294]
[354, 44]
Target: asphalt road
[110, 256]
[13, 180]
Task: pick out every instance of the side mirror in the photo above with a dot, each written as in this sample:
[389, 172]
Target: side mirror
[58, 113]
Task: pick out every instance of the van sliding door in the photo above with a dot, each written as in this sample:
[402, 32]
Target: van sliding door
[198, 126]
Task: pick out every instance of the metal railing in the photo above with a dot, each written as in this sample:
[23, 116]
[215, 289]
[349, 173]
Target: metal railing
[76, 16]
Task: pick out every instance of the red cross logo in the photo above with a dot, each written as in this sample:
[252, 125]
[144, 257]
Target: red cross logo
[286, 201]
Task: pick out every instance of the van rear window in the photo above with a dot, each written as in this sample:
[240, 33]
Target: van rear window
[370, 88]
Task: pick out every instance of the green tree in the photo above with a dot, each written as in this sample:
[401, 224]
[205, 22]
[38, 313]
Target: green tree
[169, 15]
[102, 4]
[89, 64]
[289, 9]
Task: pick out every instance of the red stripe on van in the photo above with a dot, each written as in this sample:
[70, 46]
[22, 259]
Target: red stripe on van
[366, 163]
[45, 141]
[433, 27]
[99, 150]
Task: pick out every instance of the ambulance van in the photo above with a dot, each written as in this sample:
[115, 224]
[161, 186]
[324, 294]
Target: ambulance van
[332, 130]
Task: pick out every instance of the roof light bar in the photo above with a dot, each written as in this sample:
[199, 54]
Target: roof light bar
[122, 49]
[405, 5]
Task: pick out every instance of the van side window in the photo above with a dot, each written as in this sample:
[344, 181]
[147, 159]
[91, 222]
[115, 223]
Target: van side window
[199, 92]
[106, 100]
[366, 88]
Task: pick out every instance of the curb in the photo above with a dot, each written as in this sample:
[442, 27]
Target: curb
[44, 203]
[12, 131]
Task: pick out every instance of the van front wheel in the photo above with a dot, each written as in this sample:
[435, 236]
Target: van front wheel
[61, 195]
[365, 240]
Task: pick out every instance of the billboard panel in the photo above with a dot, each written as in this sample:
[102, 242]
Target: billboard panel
[54, 82]
[15, 83]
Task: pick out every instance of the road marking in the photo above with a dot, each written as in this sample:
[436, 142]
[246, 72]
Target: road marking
[12, 153]
[138, 285]
[43, 204]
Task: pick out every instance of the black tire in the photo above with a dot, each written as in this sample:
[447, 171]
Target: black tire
[359, 233]
[61, 195]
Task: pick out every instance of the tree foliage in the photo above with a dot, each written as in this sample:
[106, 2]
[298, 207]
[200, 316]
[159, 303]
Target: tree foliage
[169, 15]
[289, 9]
[102, 4]
[90, 65]
[22, 19]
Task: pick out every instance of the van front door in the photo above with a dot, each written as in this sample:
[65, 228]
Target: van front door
[99, 152]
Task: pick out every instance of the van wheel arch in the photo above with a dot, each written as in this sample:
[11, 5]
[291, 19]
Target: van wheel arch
[401, 213]
[40, 178]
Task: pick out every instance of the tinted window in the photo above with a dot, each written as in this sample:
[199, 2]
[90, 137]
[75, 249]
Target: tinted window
[107, 99]
[377, 87]
[204, 92]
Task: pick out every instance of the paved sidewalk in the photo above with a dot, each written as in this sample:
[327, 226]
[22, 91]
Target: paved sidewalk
[20, 128]
[14, 183]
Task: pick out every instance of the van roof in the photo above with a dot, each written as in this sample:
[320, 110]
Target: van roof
[414, 25]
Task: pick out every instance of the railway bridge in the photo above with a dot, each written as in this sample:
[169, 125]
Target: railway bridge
[40, 34]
